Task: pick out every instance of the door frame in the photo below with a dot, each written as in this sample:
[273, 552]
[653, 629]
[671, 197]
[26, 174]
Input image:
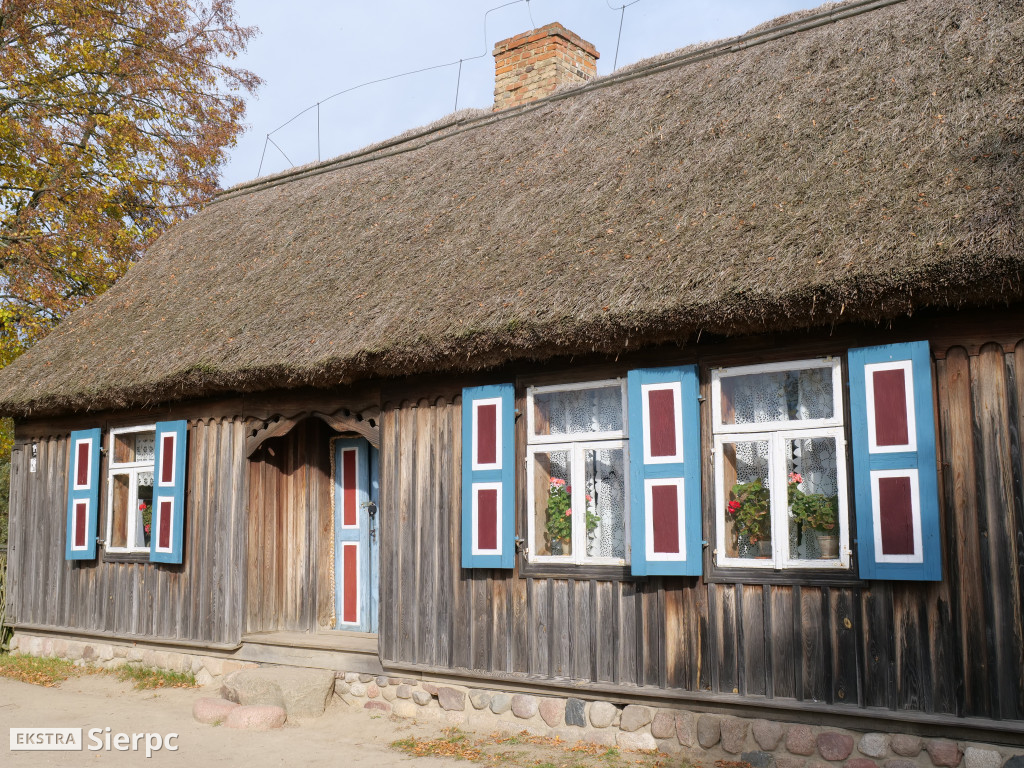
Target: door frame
[356, 533]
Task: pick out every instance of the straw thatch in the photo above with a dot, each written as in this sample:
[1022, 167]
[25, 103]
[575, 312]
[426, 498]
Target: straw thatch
[860, 170]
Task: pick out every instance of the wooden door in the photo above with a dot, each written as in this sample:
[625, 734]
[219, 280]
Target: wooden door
[356, 525]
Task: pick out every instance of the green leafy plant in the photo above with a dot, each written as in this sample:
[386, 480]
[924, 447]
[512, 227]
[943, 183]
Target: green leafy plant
[749, 508]
[814, 511]
[559, 523]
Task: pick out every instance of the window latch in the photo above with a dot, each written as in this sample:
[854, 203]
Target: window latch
[370, 507]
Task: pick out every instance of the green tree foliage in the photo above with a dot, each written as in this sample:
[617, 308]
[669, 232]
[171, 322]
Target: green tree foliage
[115, 119]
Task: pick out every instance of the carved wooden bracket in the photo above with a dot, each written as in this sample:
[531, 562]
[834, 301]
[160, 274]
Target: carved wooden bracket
[365, 423]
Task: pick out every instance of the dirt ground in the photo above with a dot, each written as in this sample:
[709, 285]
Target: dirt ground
[342, 737]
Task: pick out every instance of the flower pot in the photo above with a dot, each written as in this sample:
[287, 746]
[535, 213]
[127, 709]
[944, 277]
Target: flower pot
[828, 545]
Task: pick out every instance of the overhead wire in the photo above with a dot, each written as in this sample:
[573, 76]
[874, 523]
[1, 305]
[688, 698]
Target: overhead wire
[459, 62]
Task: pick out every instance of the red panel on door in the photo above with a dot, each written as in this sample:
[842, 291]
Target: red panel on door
[350, 579]
[167, 459]
[82, 464]
[665, 519]
[350, 506]
[891, 425]
[164, 534]
[487, 519]
[81, 520]
[895, 512]
[661, 409]
[487, 434]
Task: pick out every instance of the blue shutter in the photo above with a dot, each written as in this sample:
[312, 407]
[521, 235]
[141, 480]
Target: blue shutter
[166, 543]
[664, 472]
[894, 462]
[83, 494]
[488, 476]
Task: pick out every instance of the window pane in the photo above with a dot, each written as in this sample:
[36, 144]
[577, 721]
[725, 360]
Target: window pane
[578, 411]
[760, 398]
[120, 499]
[813, 489]
[605, 502]
[748, 499]
[552, 505]
[144, 520]
[134, 446]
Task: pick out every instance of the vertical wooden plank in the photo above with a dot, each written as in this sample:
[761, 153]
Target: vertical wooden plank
[539, 597]
[390, 484]
[499, 626]
[426, 454]
[960, 496]
[728, 675]
[626, 670]
[846, 669]
[999, 553]
[677, 647]
[461, 595]
[879, 653]
[812, 616]
[754, 656]
[580, 634]
[446, 491]
[606, 632]
[560, 657]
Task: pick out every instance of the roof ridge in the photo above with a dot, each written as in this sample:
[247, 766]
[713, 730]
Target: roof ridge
[438, 132]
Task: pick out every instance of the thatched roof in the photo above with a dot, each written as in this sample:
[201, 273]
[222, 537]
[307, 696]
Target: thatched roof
[858, 170]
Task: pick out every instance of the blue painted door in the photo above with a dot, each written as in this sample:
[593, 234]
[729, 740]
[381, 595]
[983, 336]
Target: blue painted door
[356, 525]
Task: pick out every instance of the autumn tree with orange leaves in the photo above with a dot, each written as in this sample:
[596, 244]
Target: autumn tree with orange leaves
[115, 118]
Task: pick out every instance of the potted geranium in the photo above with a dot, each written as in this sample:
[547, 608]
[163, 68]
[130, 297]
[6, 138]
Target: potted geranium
[559, 522]
[749, 509]
[815, 513]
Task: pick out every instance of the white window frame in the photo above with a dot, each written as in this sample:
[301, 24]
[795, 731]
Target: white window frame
[776, 434]
[822, 362]
[575, 449]
[575, 444]
[532, 438]
[132, 469]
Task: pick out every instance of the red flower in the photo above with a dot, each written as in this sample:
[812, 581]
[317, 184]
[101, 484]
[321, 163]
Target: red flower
[142, 506]
[734, 507]
[568, 513]
[147, 529]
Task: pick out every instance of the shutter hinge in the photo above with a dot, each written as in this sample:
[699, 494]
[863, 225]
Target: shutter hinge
[700, 398]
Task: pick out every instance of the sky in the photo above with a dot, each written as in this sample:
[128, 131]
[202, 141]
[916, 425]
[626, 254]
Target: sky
[308, 50]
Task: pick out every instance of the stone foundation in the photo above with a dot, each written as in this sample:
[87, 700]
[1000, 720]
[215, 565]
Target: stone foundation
[208, 670]
[702, 738]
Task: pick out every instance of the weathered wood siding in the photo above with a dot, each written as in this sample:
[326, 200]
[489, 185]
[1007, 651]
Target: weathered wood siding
[953, 647]
[199, 600]
[290, 531]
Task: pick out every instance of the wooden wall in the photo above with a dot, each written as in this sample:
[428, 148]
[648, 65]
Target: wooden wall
[199, 600]
[953, 647]
[290, 531]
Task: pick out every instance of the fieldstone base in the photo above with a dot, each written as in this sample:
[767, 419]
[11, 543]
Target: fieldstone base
[702, 738]
[209, 671]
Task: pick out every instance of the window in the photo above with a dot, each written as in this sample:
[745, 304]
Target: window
[577, 473]
[780, 466]
[130, 489]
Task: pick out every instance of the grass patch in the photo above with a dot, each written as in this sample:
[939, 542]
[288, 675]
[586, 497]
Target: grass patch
[30, 669]
[531, 752]
[145, 679]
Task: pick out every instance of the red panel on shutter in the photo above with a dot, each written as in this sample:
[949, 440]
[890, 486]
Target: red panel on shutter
[167, 459]
[350, 577]
[487, 519]
[349, 503]
[662, 421]
[487, 434]
[81, 520]
[82, 464]
[665, 518]
[891, 426]
[895, 511]
[166, 514]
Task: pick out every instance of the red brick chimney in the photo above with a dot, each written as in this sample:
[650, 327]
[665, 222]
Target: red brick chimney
[532, 65]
